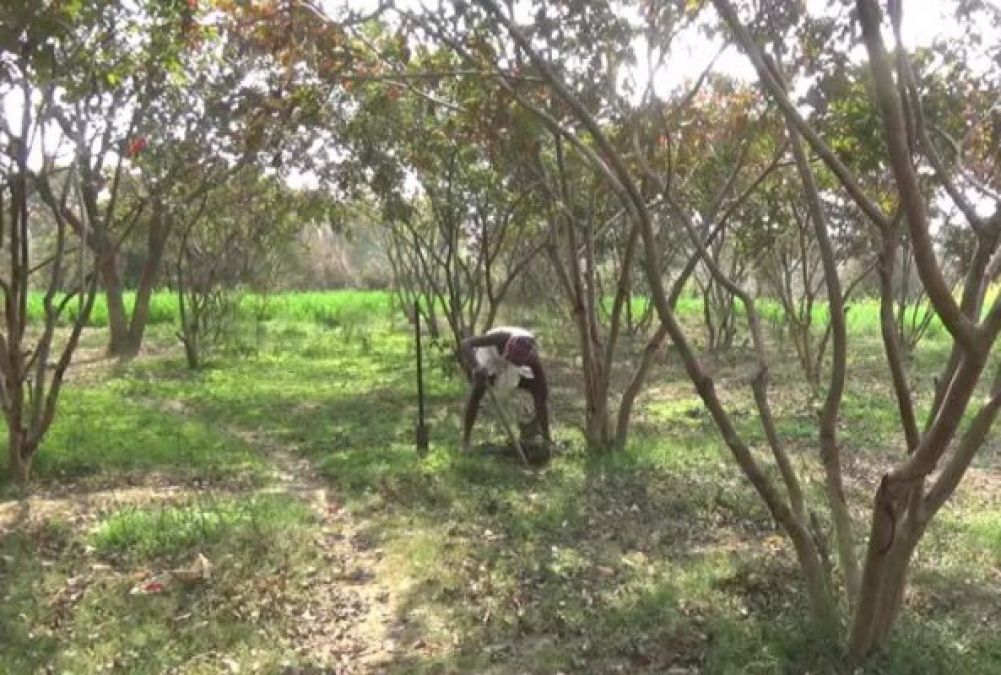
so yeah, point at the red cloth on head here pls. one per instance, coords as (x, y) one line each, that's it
(519, 349)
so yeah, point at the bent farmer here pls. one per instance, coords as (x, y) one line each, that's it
(505, 358)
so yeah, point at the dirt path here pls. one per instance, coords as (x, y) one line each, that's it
(348, 623)
(342, 624)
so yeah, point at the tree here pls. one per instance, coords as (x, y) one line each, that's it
(580, 218)
(572, 219)
(462, 217)
(231, 241)
(104, 86)
(30, 380)
(910, 494)
(175, 93)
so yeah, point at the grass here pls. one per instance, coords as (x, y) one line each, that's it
(93, 621)
(654, 559)
(331, 308)
(862, 314)
(170, 532)
(106, 431)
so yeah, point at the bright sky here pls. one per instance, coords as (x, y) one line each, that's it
(923, 22)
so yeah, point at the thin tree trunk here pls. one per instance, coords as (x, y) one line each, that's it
(596, 422)
(156, 245)
(830, 451)
(19, 451)
(649, 351)
(118, 326)
(635, 386)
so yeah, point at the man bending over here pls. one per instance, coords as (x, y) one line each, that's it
(505, 358)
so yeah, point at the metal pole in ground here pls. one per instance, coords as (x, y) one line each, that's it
(422, 433)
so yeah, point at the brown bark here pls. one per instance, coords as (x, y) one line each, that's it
(29, 384)
(891, 345)
(635, 386)
(20, 453)
(156, 244)
(912, 199)
(830, 451)
(119, 342)
(646, 359)
(899, 512)
(897, 525)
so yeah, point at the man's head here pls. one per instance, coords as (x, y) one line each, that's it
(519, 349)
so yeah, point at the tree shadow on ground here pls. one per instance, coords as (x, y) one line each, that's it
(594, 570)
(581, 565)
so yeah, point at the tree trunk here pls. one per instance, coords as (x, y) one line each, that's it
(118, 326)
(885, 575)
(818, 590)
(598, 423)
(159, 230)
(650, 350)
(635, 386)
(190, 343)
(21, 453)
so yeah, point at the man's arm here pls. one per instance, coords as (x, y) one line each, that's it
(478, 378)
(497, 340)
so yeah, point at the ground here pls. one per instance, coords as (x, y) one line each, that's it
(287, 465)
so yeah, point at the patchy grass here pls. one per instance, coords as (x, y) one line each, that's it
(655, 559)
(71, 601)
(172, 531)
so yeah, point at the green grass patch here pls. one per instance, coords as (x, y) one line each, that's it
(331, 308)
(105, 430)
(205, 524)
(66, 610)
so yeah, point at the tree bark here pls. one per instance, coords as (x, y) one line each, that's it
(649, 351)
(635, 386)
(20, 451)
(830, 451)
(119, 341)
(155, 247)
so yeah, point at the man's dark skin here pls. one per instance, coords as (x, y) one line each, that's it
(516, 354)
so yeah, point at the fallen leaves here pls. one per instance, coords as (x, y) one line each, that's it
(151, 586)
(198, 571)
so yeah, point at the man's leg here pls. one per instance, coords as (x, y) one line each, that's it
(479, 387)
(540, 396)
